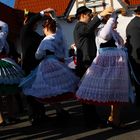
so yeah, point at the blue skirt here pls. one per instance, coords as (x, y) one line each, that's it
(50, 79)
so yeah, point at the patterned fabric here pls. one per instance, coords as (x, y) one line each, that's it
(51, 78)
(106, 80)
(10, 76)
(10, 72)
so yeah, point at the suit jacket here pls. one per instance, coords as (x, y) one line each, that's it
(133, 44)
(30, 41)
(84, 38)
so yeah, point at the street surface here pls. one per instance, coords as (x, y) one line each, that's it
(74, 128)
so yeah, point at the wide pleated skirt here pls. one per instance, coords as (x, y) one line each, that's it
(10, 76)
(107, 80)
(50, 79)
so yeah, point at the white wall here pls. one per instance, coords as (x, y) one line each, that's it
(122, 24)
(67, 29)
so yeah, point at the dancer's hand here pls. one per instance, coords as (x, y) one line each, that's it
(107, 11)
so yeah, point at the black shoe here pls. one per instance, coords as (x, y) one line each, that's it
(63, 115)
(39, 121)
(11, 120)
(3, 124)
(95, 124)
(35, 122)
(116, 126)
(91, 125)
(102, 124)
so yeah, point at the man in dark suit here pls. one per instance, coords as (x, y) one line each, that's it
(133, 45)
(84, 38)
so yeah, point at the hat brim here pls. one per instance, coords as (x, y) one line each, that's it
(83, 11)
(136, 10)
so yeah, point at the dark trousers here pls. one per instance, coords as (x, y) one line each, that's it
(91, 116)
(37, 108)
(136, 70)
(137, 90)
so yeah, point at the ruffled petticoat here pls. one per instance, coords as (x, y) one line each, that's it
(50, 79)
(106, 81)
(10, 76)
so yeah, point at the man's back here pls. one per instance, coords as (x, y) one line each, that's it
(133, 36)
(30, 41)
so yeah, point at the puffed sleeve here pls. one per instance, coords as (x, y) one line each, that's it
(105, 32)
(46, 44)
(41, 52)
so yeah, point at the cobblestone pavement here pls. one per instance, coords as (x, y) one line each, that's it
(74, 128)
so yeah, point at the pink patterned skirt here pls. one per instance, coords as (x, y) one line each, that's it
(106, 81)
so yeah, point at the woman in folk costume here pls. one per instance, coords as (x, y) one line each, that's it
(52, 78)
(10, 72)
(106, 81)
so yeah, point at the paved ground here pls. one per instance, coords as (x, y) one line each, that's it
(74, 129)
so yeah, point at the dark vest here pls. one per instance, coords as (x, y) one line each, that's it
(110, 43)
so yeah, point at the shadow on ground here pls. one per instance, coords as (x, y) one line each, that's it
(71, 129)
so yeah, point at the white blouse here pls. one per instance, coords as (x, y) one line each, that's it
(107, 32)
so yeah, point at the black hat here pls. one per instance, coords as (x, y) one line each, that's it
(82, 9)
(137, 9)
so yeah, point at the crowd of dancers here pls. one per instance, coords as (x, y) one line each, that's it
(104, 71)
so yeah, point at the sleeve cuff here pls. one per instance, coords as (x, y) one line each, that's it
(100, 17)
(42, 13)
